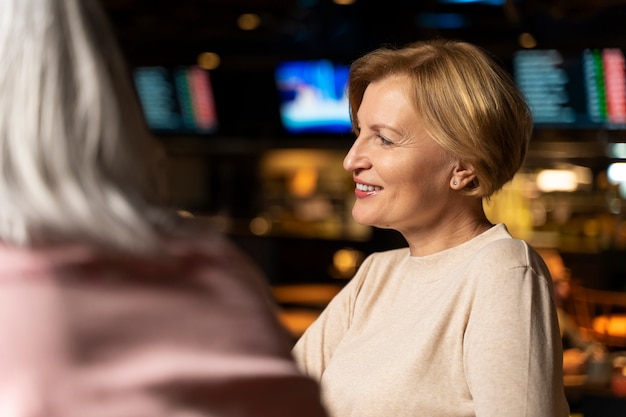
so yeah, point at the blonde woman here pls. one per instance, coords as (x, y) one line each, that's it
(462, 322)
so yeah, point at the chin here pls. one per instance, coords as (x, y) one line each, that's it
(364, 220)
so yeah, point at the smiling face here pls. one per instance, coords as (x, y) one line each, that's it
(404, 179)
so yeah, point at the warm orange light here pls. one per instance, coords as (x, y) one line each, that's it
(209, 60)
(249, 21)
(260, 226)
(526, 40)
(591, 228)
(304, 182)
(614, 325)
(346, 261)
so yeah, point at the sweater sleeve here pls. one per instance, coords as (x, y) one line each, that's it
(512, 345)
(316, 346)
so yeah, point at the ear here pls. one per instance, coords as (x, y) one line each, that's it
(462, 175)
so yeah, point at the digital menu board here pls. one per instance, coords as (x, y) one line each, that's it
(176, 100)
(586, 89)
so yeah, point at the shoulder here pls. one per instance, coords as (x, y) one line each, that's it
(507, 249)
(507, 252)
(507, 259)
(198, 245)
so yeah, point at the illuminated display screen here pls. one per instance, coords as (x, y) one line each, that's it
(313, 96)
(586, 90)
(178, 100)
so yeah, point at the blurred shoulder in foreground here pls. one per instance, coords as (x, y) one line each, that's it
(87, 332)
(109, 305)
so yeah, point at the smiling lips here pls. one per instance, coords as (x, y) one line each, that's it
(365, 190)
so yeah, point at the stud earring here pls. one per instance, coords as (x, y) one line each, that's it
(455, 183)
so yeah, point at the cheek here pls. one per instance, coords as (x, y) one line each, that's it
(403, 170)
(424, 175)
(427, 171)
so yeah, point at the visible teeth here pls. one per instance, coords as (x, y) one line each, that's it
(367, 188)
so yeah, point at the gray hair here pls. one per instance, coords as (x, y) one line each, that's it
(75, 152)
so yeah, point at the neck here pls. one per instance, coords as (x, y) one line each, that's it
(447, 233)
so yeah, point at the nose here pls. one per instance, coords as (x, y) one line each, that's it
(356, 157)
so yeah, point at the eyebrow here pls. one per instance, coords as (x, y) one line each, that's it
(379, 126)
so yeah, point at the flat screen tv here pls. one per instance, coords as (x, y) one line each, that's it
(581, 89)
(312, 96)
(176, 100)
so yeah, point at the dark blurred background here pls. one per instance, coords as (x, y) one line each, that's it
(176, 31)
(283, 195)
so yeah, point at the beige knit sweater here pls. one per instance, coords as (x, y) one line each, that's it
(469, 331)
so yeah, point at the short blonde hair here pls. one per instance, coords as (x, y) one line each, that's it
(76, 156)
(469, 104)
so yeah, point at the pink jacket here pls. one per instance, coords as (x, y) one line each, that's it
(193, 333)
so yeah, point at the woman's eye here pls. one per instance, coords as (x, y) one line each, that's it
(384, 141)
